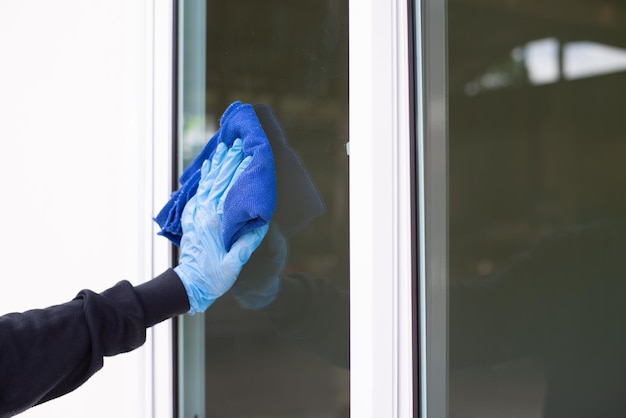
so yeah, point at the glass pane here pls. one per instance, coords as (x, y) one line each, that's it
(536, 205)
(291, 57)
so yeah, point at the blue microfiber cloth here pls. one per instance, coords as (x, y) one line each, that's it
(274, 184)
(251, 200)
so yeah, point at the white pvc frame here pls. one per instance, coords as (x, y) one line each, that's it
(160, 366)
(191, 64)
(380, 211)
(431, 94)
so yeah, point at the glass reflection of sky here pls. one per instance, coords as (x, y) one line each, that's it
(587, 59)
(541, 59)
(580, 60)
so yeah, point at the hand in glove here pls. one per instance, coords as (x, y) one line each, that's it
(206, 269)
(258, 283)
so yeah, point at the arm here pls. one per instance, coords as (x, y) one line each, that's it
(49, 352)
(46, 353)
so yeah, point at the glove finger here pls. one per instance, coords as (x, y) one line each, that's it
(189, 210)
(219, 154)
(229, 165)
(204, 183)
(210, 171)
(242, 167)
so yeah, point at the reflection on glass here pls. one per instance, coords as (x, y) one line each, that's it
(289, 60)
(588, 59)
(537, 210)
(542, 60)
(546, 61)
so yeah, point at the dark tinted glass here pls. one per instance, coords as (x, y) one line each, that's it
(537, 200)
(292, 57)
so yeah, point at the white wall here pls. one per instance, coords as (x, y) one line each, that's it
(75, 147)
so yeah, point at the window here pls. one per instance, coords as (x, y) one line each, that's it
(292, 57)
(535, 209)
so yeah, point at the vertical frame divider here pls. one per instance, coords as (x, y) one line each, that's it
(432, 117)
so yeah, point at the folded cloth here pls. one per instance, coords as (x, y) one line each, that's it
(251, 201)
(278, 182)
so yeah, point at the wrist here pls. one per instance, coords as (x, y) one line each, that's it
(199, 298)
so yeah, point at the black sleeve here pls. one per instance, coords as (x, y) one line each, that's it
(46, 353)
(315, 314)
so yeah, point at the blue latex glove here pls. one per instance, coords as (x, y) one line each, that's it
(259, 282)
(205, 267)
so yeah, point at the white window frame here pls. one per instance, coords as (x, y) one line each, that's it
(432, 116)
(381, 255)
(160, 366)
